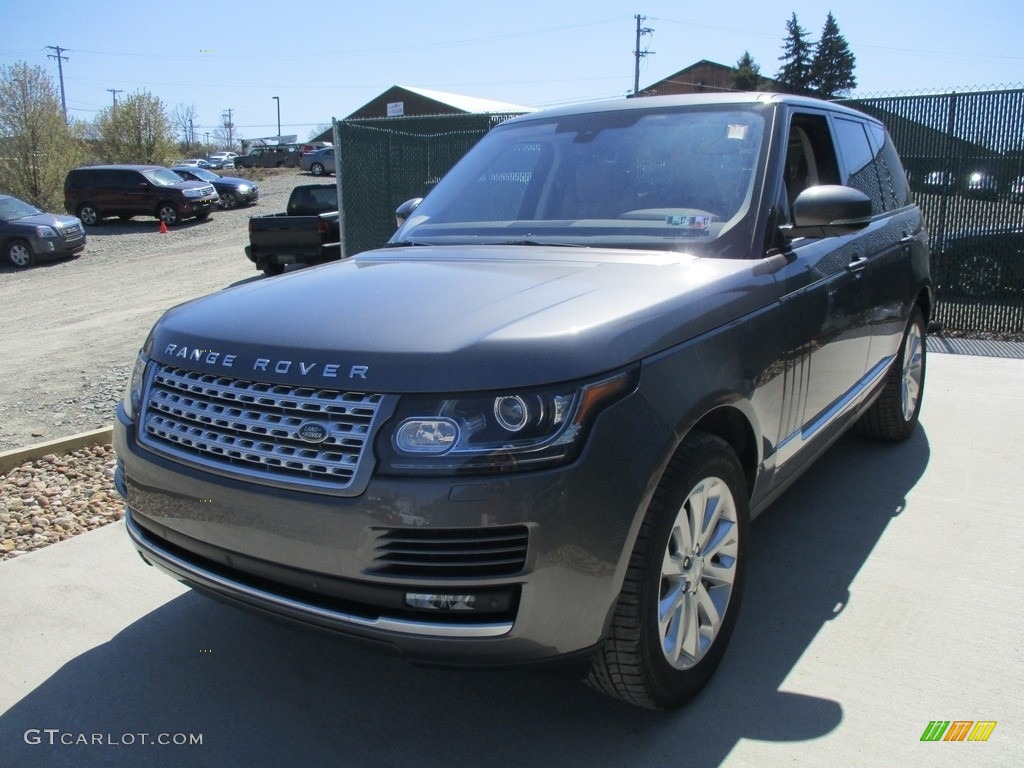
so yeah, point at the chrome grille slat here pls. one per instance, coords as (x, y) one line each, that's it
(237, 426)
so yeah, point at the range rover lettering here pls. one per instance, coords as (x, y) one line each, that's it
(611, 335)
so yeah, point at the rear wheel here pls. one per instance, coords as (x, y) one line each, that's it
(684, 583)
(982, 276)
(272, 269)
(893, 416)
(317, 169)
(19, 254)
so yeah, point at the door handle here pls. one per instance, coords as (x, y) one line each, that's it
(857, 264)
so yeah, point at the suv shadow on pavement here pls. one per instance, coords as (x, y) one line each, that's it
(263, 693)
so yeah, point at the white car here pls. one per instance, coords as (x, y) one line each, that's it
(222, 159)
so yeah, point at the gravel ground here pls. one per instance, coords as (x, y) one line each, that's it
(71, 332)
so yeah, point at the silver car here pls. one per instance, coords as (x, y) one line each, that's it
(319, 161)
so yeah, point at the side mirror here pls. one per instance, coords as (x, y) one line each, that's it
(828, 210)
(404, 211)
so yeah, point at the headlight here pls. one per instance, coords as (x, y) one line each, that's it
(45, 232)
(243, 188)
(494, 432)
(133, 394)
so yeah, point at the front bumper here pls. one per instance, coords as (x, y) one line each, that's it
(61, 245)
(318, 560)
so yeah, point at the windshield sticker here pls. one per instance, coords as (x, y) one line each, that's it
(693, 222)
(737, 132)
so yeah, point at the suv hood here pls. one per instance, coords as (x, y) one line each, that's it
(450, 318)
(55, 220)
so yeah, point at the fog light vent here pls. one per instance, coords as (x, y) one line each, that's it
(440, 602)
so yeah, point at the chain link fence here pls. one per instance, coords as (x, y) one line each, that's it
(963, 151)
(964, 155)
(386, 161)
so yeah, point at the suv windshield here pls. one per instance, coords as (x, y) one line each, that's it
(674, 179)
(162, 177)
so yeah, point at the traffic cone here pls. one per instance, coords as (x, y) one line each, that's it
(163, 228)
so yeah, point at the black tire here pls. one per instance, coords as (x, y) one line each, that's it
(272, 269)
(982, 276)
(894, 415)
(89, 215)
(228, 200)
(632, 663)
(281, 164)
(317, 169)
(204, 215)
(19, 254)
(167, 214)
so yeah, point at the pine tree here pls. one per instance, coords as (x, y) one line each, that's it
(747, 76)
(833, 64)
(797, 53)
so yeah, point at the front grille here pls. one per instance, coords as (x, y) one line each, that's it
(445, 552)
(72, 232)
(250, 428)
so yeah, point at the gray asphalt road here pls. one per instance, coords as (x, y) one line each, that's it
(885, 593)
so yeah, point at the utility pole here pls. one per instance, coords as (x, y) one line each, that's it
(60, 69)
(278, 100)
(114, 92)
(230, 127)
(638, 54)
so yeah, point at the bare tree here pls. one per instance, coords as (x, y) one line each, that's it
(183, 122)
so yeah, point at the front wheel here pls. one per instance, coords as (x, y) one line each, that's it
(168, 214)
(893, 416)
(684, 583)
(88, 215)
(228, 200)
(19, 254)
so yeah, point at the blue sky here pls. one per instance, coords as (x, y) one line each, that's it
(326, 61)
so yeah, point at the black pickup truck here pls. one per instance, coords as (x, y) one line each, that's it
(307, 232)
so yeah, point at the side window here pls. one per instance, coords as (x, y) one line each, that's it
(894, 179)
(105, 179)
(810, 155)
(860, 161)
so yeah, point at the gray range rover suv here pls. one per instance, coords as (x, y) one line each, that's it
(536, 425)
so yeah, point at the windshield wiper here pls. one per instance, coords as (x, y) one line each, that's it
(405, 243)
(542, 243)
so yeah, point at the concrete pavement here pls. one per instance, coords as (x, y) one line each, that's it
(885, 593)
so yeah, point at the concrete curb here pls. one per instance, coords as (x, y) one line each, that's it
(18, 456)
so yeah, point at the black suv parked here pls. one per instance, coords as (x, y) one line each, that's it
(95, 192)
